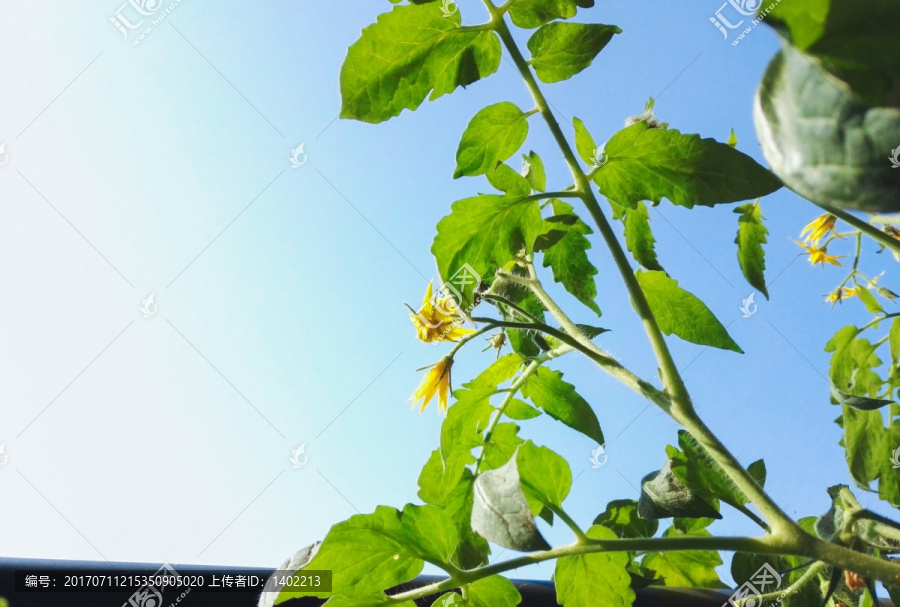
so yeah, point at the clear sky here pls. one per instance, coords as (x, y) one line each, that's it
(163, 168)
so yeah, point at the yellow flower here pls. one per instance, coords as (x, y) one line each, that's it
(819, 227)
(817, 255)
(436, 381)
(840, 294)
(438, 319)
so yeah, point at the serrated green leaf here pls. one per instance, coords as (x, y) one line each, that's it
(652, 164)
(485, 232)
(864, 444)
(407, 53)
(594, 579)
(493, 591)
(751, 237)
(440, 475)
(533, 171)
(473, 550)
(869, 300)
(561, 50)
(493, 135)
(505, 179)
(568, 257)
(545, 475)
(639, 238)
(529, 14)
(559, 400)
(502, 445)
(840, 345)
(520, 410)
(501, 513)
(369, 553)
(682, 313)
(622, 517)
(664, 495)
(688, 568)
(584, 142)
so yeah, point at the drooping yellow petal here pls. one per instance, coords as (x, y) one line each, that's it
(819, 227)
(820, 256)
(436, 381)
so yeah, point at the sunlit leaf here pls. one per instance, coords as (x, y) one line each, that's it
(493, 135)
(408, 53)
(561, 50)
(751, 237)
(559, 400)
(682, 313)
(638, 237)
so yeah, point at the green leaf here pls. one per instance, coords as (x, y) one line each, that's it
(473, 549)
(869, 300)
(440, 475)
(505, 179)
(520, 410)
(889, 479)
(591, 331)
(584, 142)
(638, 237)
(699, 471)
(858, 402)
(822, 140)
(530, 14)
(894, 340)
(407, 53)
(559, 400)
(493, 135)
(545, 476)
(732, 139)
(484, 232)
(864, 444)
(369, 553)
(688, 568)
(561, 50)
(649, 164)
(493, 591)
(568, 256)
(501, 513)
(533, 171)
(502, 445)
(860, 47)
(664, 495)
(841, 345)
(622, 517)
(751, 236)
(593, 579)
(449, 599)
(682, 313)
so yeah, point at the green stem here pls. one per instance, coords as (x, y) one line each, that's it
(804, 579)
(868, 229)
(581, 538)
(513, 390)
(682, 408)
(752, 516)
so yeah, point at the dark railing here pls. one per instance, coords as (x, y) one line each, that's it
(534, 593)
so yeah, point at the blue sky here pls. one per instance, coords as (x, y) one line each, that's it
(163, 168)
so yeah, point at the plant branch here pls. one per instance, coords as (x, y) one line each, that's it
(682, 409)
(804, 579)
(863, 226)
